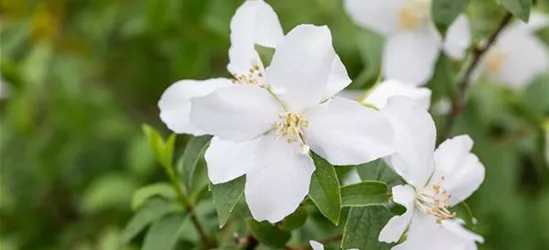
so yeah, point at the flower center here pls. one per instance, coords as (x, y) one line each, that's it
(414, 14)
(290, 126)
(434, 200)
(253, 77)
(494, 60)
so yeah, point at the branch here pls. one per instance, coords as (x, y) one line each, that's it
(459, 102)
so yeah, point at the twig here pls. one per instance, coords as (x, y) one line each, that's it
(459, 102)
(186, 204)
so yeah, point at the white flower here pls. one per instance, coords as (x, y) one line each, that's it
(387, 89)
(517, 55)
(413, 43)
(263, 132)
(426, 235)
(378, 95)
(254, 22)
(437, 179)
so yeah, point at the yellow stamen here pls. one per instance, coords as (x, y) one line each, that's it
(494, 60)
(434, 200)
(253, 77)
(290, 126)
(414, 14)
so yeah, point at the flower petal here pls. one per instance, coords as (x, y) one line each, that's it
(456, 226)
(346, 133)
(315, 245)
(393, 230)
(425, 233)
(458, 38)
(381, 16)
(276, 188)
(462, 171)
(254, 22)
(538, 20)
(338, 79)
(301, 66)
(411, 56)
(415, 135)
(387, 89)
(175, 103)
(524, 57)
(237, 113)
(229, 160)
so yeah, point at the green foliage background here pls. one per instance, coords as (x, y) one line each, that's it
(85, 74)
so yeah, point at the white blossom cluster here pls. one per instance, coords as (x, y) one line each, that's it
(266, 119)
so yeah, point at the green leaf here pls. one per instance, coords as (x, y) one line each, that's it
(268, 234)
(156, 143)
(162, 189)
(163, 150)
(109, 191)
(294, 220)
(365, 193)
(363, 227)
(151, 211)
(324, 190)
(379, 171)
(444, 12)
(464, 212)
(164, 233)
(225, 197)
(519, 8)
(193, 152)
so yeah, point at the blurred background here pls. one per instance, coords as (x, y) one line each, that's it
(79, 77)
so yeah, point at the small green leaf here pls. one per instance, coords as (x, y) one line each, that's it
(164, 233)
(446, 11)
(151, 211)
(268, 234)
(193, 152)
(363, 226)
(163, 151)
(324, 190)
(164, 190)
(366, 193)
(156, 143)
(294, 220)
(464, 212)
(519, 8)
(225, 197)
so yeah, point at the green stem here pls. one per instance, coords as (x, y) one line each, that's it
(186, 204)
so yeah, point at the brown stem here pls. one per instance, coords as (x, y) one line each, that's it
(459, 102)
